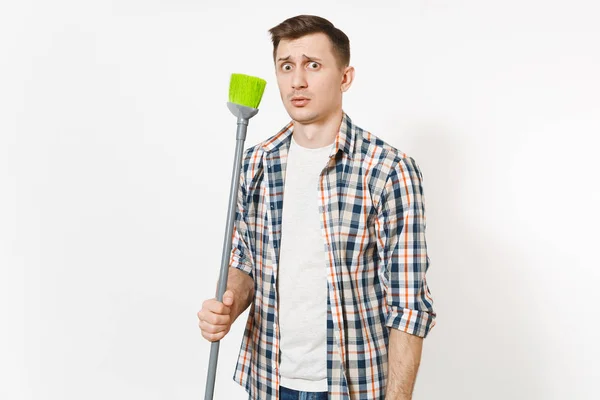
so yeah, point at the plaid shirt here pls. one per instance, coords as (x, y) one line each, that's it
(373, 227)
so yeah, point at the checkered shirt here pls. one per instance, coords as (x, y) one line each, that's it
(373, 228)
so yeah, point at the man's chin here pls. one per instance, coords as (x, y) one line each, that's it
(303, 116)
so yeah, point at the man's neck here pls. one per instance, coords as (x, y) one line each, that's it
(318, 134)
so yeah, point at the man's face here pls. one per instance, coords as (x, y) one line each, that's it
(309, 78)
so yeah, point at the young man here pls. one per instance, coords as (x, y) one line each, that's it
(329, 244)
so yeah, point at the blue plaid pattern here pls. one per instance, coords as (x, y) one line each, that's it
(373, 227)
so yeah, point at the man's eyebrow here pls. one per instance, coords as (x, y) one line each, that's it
(311, 58)
(303, 55)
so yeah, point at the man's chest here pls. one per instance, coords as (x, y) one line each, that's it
(341, 198)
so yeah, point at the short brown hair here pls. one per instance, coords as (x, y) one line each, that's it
(302, 25)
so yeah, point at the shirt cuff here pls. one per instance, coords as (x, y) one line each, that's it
(242, 265)
(417, 323)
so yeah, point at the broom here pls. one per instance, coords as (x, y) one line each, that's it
(245, 93)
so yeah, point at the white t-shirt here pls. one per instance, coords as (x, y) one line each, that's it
(302, 275)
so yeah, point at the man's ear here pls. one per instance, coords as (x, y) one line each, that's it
(347, 78)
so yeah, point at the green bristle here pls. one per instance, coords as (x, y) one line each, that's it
(246, 90)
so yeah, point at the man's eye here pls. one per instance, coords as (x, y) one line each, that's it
(286, 67)
(313, 65)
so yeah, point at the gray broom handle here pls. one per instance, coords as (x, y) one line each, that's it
(242, 125)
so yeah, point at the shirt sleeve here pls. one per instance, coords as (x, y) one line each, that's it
(241, 256)
(402, 250)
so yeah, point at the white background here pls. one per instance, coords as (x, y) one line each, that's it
(115, 161)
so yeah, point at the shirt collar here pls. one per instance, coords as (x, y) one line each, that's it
(344, 140)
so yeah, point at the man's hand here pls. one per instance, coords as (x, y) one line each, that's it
(216, 317)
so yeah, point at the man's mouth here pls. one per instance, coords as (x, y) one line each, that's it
(300, 101)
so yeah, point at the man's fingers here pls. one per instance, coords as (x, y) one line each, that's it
(213, 337)
(214, 319)
(216, 307)
(210, 328)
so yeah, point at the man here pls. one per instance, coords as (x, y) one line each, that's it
(329, 243)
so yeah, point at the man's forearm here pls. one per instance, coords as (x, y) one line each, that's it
(404, 357)
(242, 286)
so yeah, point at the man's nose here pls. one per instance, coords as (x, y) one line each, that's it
(299, 79)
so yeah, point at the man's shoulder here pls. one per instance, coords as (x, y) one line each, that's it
(253, 154)
(370, 147)
(252, 161)
(384, 159)
(252, 158)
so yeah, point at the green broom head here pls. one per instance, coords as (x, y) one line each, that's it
(246, 90)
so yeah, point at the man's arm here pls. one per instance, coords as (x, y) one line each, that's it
(404, 357)
(242, 286)
(217, 317)
(240, 279)
(402, 249)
